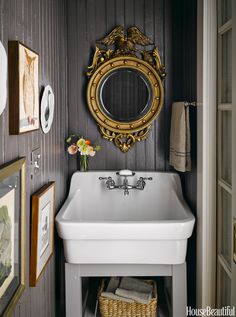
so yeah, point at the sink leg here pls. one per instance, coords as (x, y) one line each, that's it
(73, 290)
(179, 290)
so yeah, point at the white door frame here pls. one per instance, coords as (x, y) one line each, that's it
(206, 200)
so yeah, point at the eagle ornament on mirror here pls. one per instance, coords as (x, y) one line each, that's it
(119, 51)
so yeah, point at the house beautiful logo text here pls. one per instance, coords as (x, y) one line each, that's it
(208, 311)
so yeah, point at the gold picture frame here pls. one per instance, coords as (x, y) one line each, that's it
(125, 57)
(12, 196)
(42, 230)
(23, 65)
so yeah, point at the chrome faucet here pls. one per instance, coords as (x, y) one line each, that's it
(110, 183)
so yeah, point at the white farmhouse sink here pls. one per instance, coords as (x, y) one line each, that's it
(149, 226)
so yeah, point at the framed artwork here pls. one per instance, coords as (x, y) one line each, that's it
(42, 230)
(3, 78)
(23, 65)
(12, 235)
(47, 109)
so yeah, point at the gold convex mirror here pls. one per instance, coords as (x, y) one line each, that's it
(125, 92)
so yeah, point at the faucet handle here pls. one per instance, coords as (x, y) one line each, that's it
(125, 173)
(141, 182)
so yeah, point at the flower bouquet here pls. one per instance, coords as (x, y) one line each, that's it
(77, 144)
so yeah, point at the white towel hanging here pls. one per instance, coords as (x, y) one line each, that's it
(180, 147)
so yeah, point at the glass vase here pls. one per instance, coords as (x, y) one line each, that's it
(84, 163)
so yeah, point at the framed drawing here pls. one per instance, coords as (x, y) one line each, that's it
(12, 235)
(3, 78)
(47, 109)
(42, 230)
(23, 65)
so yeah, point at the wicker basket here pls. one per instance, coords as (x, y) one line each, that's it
(115, 308)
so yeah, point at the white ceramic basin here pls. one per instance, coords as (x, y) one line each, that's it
(151, 226)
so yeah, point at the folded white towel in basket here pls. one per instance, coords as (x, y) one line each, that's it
(142, 298)
(134, 284)
(129, 289)
(113, 284)
(116, 297)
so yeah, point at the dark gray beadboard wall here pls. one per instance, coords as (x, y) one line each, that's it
(184, 23)
(90, 20)
(42, 26)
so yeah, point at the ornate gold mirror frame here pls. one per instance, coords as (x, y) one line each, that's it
(125, 55)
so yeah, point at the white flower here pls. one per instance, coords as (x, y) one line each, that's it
(81, 143)
(84, 149)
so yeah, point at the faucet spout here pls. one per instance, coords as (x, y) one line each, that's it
(126, 186)
(126, 192)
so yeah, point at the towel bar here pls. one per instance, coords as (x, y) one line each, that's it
(193, 104)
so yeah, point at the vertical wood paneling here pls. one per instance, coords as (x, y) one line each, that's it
(121, 160)
(110, 18)
(41, 25)
(149, 24)
(89, 21)
(140, 150)
(185, 88)
(129, 20)
(168, 51)
(96, 24)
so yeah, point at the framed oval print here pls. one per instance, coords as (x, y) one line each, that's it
(3, 78)
(47, 109)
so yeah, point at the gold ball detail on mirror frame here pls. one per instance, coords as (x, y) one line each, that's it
(100, 73)
(153, 110)
(96, 110)
(156, 84)
(112, 65)
(131, 126)
(149, 73)
(118, 126)
(157, 98)
(138, 64)
(94, 84)
(125, 62)
(92, 98)
(143, 121)
(102, 59)
(106, 121)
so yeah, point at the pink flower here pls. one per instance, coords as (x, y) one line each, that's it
(91, 151)
(72, 149)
